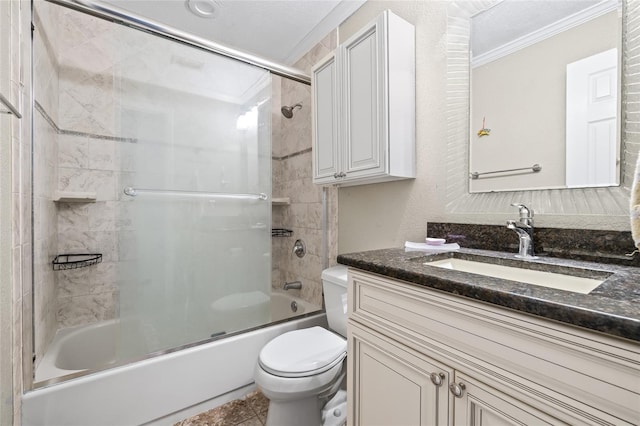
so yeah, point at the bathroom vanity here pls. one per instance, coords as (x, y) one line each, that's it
(434, 346)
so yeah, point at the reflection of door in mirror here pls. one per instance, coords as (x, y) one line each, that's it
(592, 111)
(521, 51)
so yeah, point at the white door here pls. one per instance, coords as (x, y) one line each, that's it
(592, 123)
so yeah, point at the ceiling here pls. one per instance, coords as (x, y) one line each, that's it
(278, 30)
(511, 20)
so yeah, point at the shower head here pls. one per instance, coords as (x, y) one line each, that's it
(287, 111)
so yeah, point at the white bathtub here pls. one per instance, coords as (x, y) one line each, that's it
(281, 306)
(162, 389)
(93, 347)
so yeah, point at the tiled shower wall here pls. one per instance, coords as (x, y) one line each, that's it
(74, 119)
(84, 151)
(87, 163)
(292, 178)
(73, 122)
(76, 124)
(45, 173)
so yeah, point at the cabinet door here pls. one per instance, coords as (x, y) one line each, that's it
(390, 384)
(326, 164)
(363, 129)
(481, 405)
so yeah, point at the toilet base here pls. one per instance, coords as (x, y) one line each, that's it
(306, 411)
(334, 412)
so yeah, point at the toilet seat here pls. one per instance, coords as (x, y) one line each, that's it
(303, 353)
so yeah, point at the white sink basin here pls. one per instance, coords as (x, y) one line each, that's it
(545, 279)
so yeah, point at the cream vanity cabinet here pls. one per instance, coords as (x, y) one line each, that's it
(423, 357)
(364, 106)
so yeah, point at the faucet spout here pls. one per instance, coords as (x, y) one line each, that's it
(293, 285)
(525, 233)
(524, 228)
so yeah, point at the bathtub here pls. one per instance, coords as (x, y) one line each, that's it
(158, 390)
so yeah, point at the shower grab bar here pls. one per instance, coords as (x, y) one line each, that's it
(134, 192)
(10, 107)
(112, 13)
(534, 169)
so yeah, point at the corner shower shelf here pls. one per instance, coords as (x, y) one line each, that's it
(281, 232)
(75, 261)
(281, 201)
(74, 197)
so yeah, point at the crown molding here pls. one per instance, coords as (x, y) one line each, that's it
(546, 32)
(342, 11)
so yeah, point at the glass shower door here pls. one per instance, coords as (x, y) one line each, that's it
(194, 246)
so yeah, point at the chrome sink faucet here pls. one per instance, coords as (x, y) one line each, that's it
(524, 228)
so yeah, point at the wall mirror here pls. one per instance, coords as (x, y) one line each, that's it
(604, 201)
(545, 95)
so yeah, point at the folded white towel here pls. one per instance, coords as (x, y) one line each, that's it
(409, 246)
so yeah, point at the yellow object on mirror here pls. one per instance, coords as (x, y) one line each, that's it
(484, 131)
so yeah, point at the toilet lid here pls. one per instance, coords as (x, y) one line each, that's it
(302, 353)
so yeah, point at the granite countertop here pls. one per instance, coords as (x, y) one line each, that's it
(612, 308)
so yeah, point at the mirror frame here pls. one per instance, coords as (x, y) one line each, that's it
(602, 201)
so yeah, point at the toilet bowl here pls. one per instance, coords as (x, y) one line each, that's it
(302, 370)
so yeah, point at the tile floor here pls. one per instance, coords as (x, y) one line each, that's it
(250, 410)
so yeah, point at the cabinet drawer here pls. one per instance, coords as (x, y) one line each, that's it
(585, 375)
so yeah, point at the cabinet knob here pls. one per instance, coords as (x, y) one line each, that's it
(336, 175)
(457, 389)
(437, 378)
(343, 175)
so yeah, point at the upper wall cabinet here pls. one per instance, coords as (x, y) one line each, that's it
(364, 106)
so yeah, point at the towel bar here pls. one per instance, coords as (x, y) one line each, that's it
(133, 192)
(534, 169)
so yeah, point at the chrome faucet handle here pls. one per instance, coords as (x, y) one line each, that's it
(526, 214)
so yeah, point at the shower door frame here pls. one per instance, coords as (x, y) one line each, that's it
(119, 16)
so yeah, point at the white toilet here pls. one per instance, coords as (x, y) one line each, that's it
(299, 371)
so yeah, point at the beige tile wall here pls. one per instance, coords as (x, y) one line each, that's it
(45, 175)
(292, 177)
(85, 163)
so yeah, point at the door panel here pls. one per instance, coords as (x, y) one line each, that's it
(392, 383)
(592, 121)
(325, 128)
(362, 101)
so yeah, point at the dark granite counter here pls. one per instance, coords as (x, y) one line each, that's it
(612, 308)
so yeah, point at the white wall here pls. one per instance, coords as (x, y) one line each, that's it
(386, 215)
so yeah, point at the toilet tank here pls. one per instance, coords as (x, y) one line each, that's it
(334, 285)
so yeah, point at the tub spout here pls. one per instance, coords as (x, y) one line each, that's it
(293, 285)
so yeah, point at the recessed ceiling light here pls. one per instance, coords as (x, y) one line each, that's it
(202, 8)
